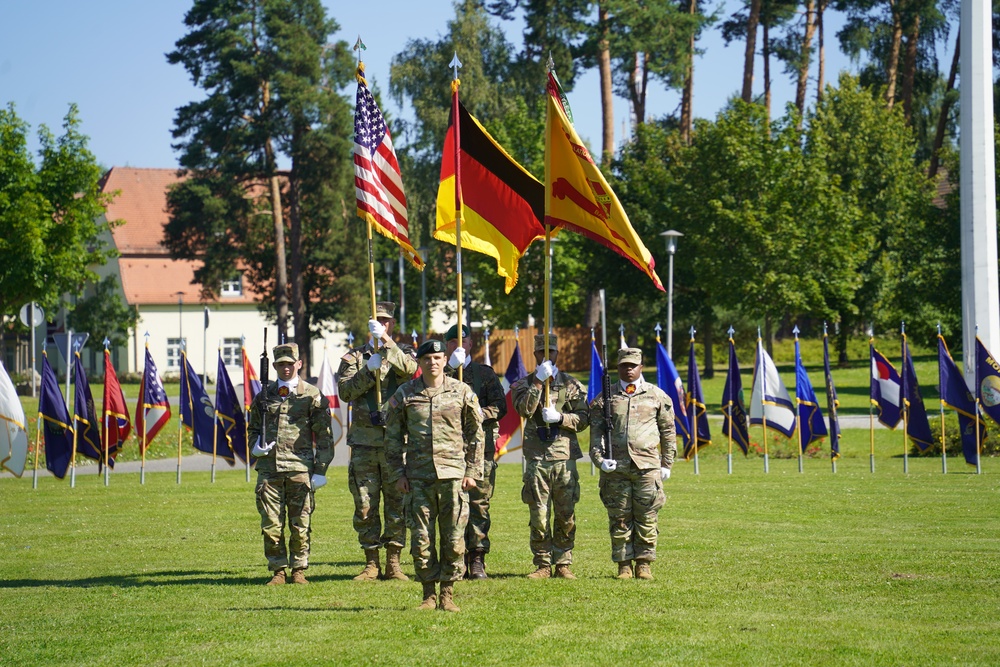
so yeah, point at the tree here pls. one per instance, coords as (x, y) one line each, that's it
(272, 83)
(50, 229)
(103, 315)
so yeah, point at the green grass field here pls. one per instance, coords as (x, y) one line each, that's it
(783, 568)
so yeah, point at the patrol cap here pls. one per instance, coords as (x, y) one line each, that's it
(286, 352)
(453, 333)
(540, 342)
(385, 309)
(630, 355)
(430, 346)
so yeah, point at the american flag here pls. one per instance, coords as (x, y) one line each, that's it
(377, 181)
(152, 412)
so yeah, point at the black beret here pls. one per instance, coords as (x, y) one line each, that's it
(430, 346)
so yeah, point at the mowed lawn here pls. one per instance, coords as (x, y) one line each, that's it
(782, 568)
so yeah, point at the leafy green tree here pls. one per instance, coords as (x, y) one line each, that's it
(103, 314)
(50, 234)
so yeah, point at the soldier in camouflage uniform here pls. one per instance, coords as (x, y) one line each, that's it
(643, 446)
(434, 421)
(292, 458)
(551, 449)
(487, 387)
(367, 472)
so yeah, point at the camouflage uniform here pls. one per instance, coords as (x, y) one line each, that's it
(550, 472)
(642, 441)
(440, 433)
(297, 424)
(485, 384)
(367, 472)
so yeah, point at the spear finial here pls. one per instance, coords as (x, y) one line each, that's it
(796, 331)
(731, 331)
(455, 64)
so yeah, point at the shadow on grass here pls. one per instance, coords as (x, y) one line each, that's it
(165, 578)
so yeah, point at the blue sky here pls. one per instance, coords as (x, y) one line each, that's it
(108, 58)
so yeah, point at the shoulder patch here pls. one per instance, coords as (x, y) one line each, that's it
(393, 402)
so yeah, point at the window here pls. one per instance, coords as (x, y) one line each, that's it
(233, 287)
(231, 351)
(174, 347)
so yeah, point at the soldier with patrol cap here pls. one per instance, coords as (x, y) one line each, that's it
(487, 387)
(551, 449)
(435, 423)
(643, 446)
(292, 458)
(367, 471)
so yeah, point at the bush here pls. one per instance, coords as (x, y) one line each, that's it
(989, 446)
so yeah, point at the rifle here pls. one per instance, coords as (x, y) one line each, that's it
(606, 395)
(265, 363)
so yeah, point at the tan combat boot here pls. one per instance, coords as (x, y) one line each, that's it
(543, 572)
(478, 565)
(625, 570)
(298, 576)
(446, 603)
(430, 598)
(642, 570)
(277, 578)
(563, 572)
(372, 569)
(392, 569)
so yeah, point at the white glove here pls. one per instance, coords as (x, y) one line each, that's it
(550, 415)
(259, 450)
(457, 357)
(317, 481)
(609, 465)
(664, 473)
(555, 370)
(376, 329)
(374, 362)
(545, 370)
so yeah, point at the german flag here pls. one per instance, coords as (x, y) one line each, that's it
(502, 203)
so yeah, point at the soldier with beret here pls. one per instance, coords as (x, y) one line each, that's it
(292, 457)
(643, 446)
(434, 446)
(367, 471)
(551, 450)
(487, 387)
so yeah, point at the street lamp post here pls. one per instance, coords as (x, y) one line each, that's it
(387, 263)
(423, 291)
(670, 236)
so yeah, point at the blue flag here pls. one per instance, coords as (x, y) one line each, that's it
(987, 381)
(917, 427)
(55, 420)
(831, 401)
(697, 412)
(955, 394)
(811, 426)
(734, 423)
(88, 429)
(885, 388)
(198, 413)
(669, 380)
(596, 373)
(231, 425)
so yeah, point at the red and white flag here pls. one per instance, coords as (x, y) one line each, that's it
(116, 424)
(511, 426)
(338, 409)
(152, 412)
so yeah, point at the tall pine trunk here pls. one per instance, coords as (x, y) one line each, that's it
(299, 315)
(803, 80)
(767, 71)
(821, 47)
(687, 97)
(910, 68)
(748, 56)
(607, 99)
(892, 67)
(946, 105)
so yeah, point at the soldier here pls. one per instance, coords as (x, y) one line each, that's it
(288, 469)
(551, 449)
(643, 446)
(367, 472)
(489, 391)
(435, 421)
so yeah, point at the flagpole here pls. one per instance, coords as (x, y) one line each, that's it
(798, 401)
(455, 64)
(692, 409)
(944, 460)
(975, 365)
(871, 406)
(604, 343)
(76, 429)
(215, 422)
(38, 439)
(246, 413)
(107, 473)
(829, 396)
(180, 412)
(905, 402)
(729, 400)
(763, 391)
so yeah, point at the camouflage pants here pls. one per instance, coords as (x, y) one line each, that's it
(367, 476)
(477, 534)
(633, 498)
(437, 507)
(552, 536)
(280, 494)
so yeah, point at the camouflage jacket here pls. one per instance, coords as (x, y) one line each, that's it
(489, 391)
(642, 427)
(440, 432)
(569, 398)
(297, 425)
(357, 385)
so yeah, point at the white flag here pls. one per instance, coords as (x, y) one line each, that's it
(338, 409)
(13, 436)
(769, 398)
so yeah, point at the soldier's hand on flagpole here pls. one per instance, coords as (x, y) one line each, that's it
(609, 465)
(403, 484)
(376, 329)
(544, 370)
(664, 474)
(317, 481)
(374, 362)
(457, 357)
(468, 483)
(262, 450)
(550, 415)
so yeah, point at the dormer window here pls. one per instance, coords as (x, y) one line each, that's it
(233, 287)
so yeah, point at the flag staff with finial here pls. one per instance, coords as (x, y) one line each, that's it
(107, 445)
(763, 392)
(944, 446)
(798, 402)
(455, 64)
(871, 407)
(75, 418)
(692, 409)
(729, 400)
(904, 403)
